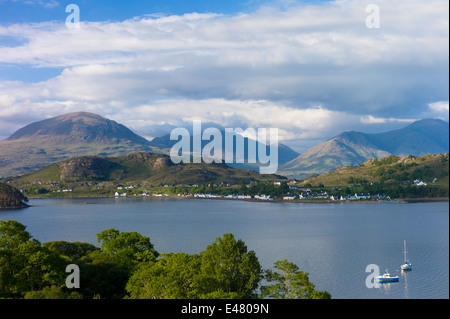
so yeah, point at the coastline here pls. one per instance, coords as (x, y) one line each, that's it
(297, 201)
(15, 207)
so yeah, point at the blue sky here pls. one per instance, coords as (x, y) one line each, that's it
(20, 11)
(310, 68)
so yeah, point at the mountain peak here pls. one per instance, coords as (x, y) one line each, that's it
(69, 135)
(77, 116)
(78, 127)
(352, 148)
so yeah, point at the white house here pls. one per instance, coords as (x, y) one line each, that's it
(362, 196)
(418, 182)
(264, 197)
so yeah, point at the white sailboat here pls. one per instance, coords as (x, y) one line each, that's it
(406, 264)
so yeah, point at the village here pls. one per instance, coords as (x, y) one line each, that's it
(295, 193)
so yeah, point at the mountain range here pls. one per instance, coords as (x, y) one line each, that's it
(428, 136)
(285, 153)
(43, 143)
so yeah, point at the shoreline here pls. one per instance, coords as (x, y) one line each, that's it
(319, 201)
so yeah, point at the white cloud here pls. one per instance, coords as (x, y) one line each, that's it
(309, 70)
(44, 3)
(441, 106)
(369, 119)
(440, 110)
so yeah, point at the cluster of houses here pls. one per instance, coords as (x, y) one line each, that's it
(264, 197)
(144, 194)
(299, 192)
(324, 195)
(60, 190)
(317, 195)
(206, 196)
(235, 196)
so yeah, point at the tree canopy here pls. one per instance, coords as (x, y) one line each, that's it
(290, 283)
(126, 265)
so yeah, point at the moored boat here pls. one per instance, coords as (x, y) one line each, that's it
(386, 277)
(406, 264)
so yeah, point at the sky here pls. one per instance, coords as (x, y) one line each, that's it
(312, 69)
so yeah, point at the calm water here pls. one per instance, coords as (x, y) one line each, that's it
(333, 242)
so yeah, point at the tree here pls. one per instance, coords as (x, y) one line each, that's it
(73, 251)
(171, 277)
(12, 233)
(101, 276)
(224, 270)
(290, 283)
(127, 248)
(24, 264)
(228, 267)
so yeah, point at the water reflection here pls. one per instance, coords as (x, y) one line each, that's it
(386, 286)
(405, 280)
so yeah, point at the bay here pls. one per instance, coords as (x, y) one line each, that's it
(334, 243)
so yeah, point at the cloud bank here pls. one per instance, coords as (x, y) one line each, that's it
(309, 70)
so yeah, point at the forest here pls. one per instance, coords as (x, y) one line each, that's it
(127, 266)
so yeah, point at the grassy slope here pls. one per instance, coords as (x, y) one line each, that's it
(151, 169)
(390, 169)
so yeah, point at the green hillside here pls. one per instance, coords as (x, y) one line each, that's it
(145, 169)
(408, 176)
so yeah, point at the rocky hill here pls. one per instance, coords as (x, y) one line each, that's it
(143, 167)
(11, 197)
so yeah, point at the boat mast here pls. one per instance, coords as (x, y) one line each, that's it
(404, 251)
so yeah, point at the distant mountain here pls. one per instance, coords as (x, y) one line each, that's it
(285, 153)
(429, 136)
(143, 167)
(75, 134)
(77, 128)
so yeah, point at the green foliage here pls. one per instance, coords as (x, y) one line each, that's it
(290, 283)
(355, 180)
(172, 277)
(12, 234)
(53, 292)
(226, 269)
(24, 264)
(228, 266)
(73, 251)
(128, 248)
(127, 266)
(101, 276)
